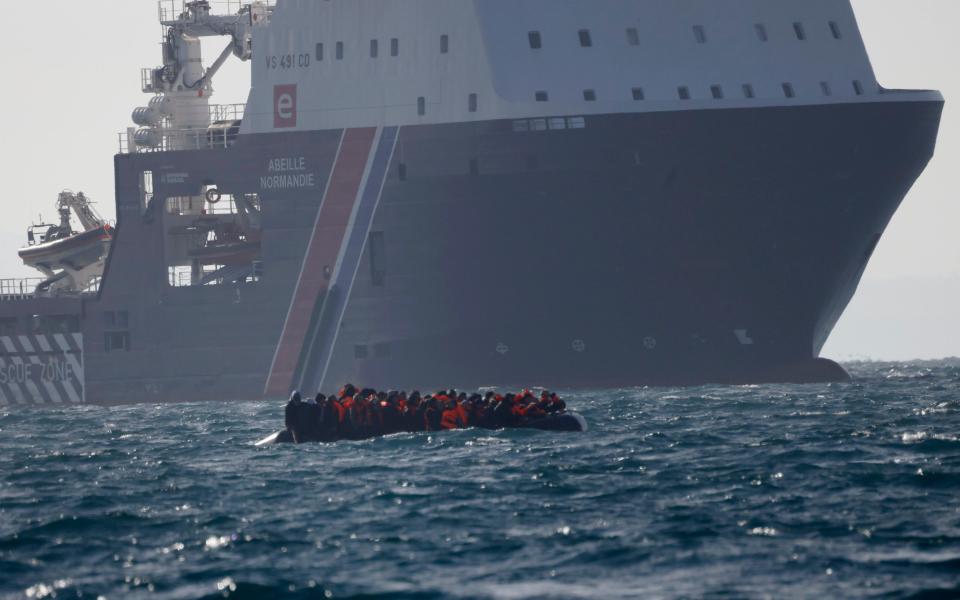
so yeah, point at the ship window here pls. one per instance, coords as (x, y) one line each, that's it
(585, 40)
(444, 44)
(536, 42)
(421, 106)
(748, 91)
(576, 123)
(8, 326)
(378, 272)
(319, 52)
(800, 31)
(638, 93)
(542, 96)
(858, 88)
(684, 92)
(123, 319)
(374, 48)
(633, 36)
(395, 47)
(761, 30)
(835, 30)
(382, 350)
(538, 124)
(472, 103)
(825, 87)
(590, 95)
(116, 341)
(339, 50)
(360, 352)
(788, 90)
(717, 92)
(51, 324)
(700, 34)
(402, 171)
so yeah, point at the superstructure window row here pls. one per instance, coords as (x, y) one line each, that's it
(320, 49)
(700, 35)
(683, 92)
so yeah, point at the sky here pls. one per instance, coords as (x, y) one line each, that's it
(72, 78)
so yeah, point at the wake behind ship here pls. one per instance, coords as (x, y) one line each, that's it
(475, 192)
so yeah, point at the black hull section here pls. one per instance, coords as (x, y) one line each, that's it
(564, 423)
(643, 249)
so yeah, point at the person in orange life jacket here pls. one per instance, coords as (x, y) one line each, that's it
(464, 409)
(452, 417)
(474, 408)
(516, 407)
(532, 410)
(358, 414)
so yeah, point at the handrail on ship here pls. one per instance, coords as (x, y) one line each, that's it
(170, 10)
(12, 290)
(190, 139)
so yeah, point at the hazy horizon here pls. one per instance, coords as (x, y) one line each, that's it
(74, 86)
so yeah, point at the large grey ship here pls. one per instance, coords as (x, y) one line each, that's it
(477, 192)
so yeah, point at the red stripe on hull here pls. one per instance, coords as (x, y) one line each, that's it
(328, 235)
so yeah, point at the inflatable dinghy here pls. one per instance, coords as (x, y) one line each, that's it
(565, 422)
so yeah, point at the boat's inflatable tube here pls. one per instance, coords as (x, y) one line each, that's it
(567, 422)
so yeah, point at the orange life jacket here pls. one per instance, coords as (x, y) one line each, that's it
(451, 419)
(345, 407)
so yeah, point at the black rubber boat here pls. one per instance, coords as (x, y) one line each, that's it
(566, 422)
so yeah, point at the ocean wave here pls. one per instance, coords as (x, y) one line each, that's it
(835, 491)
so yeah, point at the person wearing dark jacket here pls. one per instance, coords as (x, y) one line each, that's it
(432, 414)
(291, 416)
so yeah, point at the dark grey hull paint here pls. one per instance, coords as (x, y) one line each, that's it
(656, 248)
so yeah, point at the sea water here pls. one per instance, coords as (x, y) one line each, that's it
(817, 491)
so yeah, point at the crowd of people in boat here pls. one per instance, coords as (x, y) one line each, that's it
(361, 414)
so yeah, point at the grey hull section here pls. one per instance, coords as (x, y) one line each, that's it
(655, 248)
(720, 246)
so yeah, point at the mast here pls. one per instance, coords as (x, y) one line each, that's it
(178, 115)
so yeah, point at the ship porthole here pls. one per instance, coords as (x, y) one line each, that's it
(213, 195)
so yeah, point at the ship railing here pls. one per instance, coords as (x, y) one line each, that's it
(170, 10)
(227, 112)
(12, 290)
(19, 289)
(223, 133)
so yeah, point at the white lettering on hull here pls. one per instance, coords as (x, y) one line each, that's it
(290, 173)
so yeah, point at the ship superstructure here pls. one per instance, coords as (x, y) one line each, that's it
(476, 192)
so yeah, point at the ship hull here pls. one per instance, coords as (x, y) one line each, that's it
(664, 249)
(674, 248)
